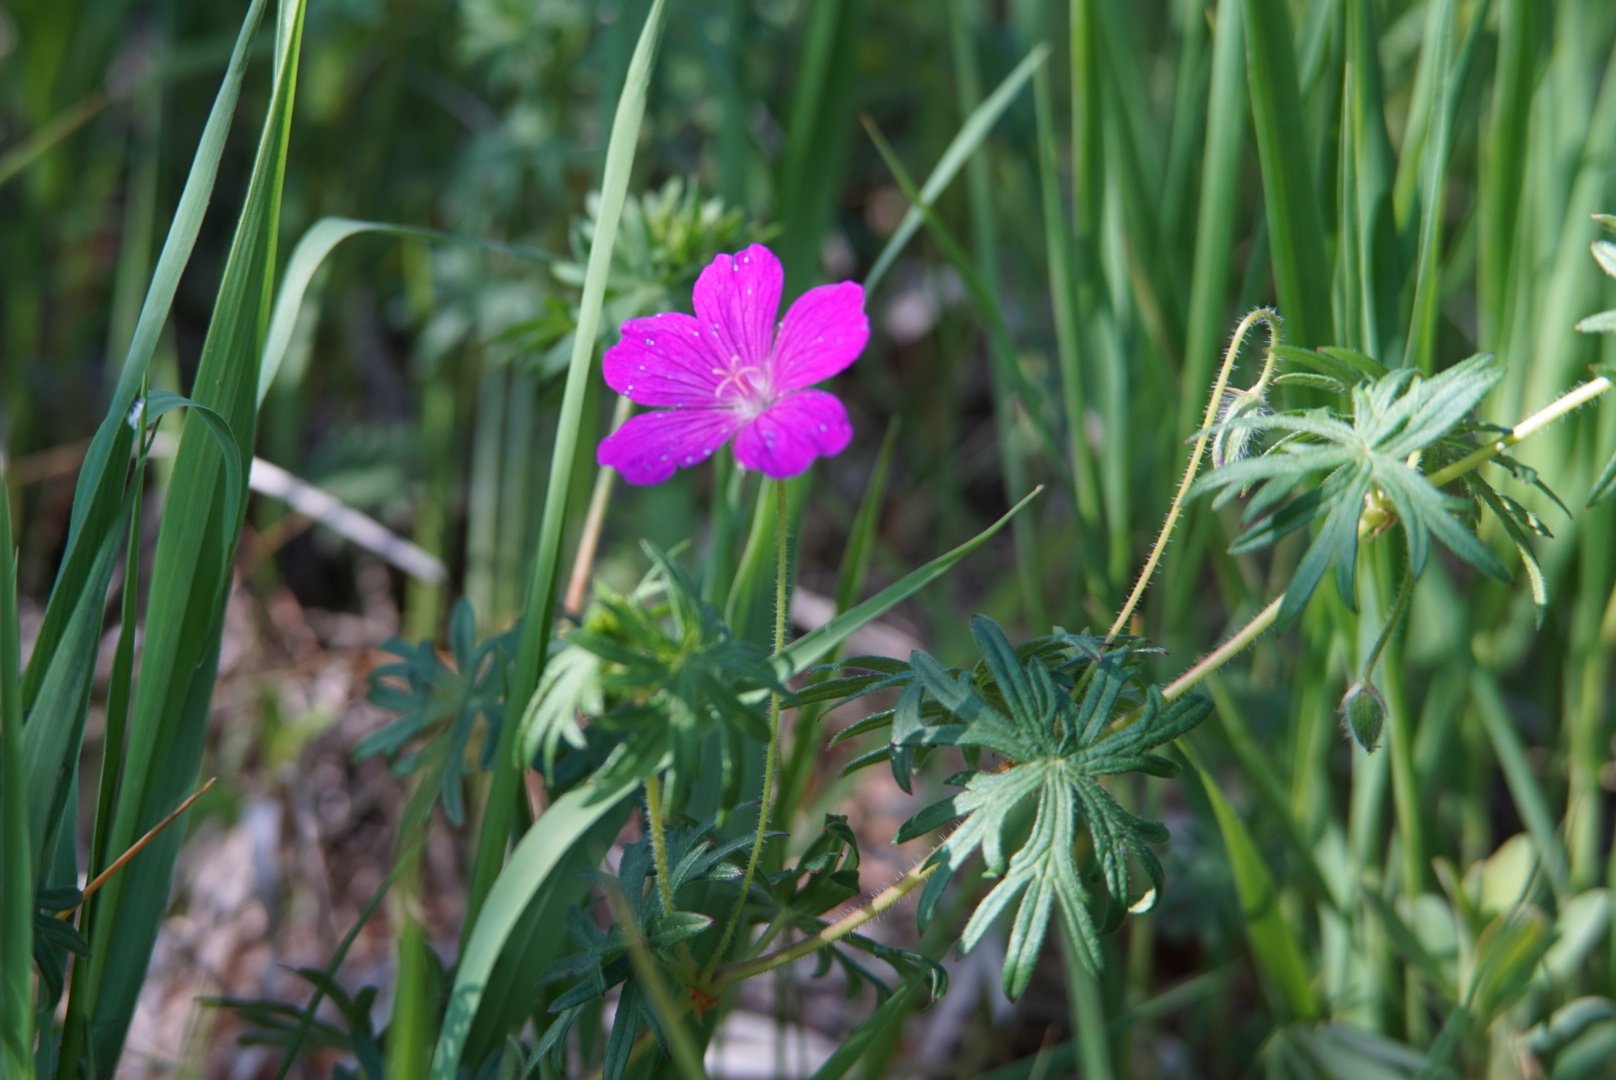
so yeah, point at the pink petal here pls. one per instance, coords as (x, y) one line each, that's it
(786, 438)
(737, 299)
(650, 447)
(662, 360)
(824, 331)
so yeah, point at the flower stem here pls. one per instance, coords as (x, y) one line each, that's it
(771, 759)
(1268, 317)
(877, 905)
(659, 839)
(1225, 652)
(594, 519)
(1539, 420)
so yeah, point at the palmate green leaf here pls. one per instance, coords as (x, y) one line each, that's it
(659, 675)
(442, 705)
(1045, 709)
(1327, 466)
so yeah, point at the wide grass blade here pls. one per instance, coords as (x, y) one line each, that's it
(190, 579)
(524, 877)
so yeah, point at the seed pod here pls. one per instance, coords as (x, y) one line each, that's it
(1363, 713)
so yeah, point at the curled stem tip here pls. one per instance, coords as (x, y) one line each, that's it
(1215, 401)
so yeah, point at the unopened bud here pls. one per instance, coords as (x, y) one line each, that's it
(1363, 712)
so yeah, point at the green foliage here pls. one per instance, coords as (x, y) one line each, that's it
(1604, 485)
(664, 239)
(601, 961)
(659, 674)
(283, 1026)
(1329, 466)
(1046, 826)
(1409, 178)
(441, 706)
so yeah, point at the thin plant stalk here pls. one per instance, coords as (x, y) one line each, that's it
(771, 760)
(1214, 403)
(600, 498)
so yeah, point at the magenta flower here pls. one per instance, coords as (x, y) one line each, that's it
(730, 372)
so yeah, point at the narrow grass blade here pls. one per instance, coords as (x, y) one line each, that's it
(16, 851)
(1524, 789)
(310, 254)
(1058, 242)
(539, 610)
(1449, 72)
(1503, 178)
(977, 124)
(1214, 230)
(819, 134)
(182, 234)
(817, 644)
(99, 490)
(861, 538)
(1301, 272)
(857, 1041)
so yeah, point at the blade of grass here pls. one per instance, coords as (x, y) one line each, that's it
(819, 134)
(16, 850)
(311, 252)
(1063, 300)
(1503, 176)
(539, 609)
(979, 121)
(527, 873)
(1274, 947)
(817, 644)
(798, 763)
(1449, 72)
(1524, 789)
(985, 245)
(1296, 234)
(191, 577)
(99, 490)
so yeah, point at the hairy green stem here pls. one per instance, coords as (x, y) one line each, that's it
(1405, 590)
(1225, 652)
(659, 839)
(1268, 317)
(877, 905)
(771, 759)
(1539, 420)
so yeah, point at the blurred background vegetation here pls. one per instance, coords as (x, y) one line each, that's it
(1411, 179)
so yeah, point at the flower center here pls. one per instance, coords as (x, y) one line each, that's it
(746, 387)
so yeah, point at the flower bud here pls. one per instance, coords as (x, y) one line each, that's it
(1363, 713)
